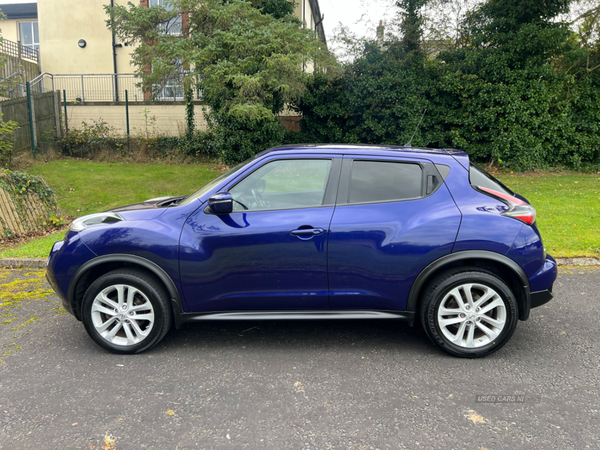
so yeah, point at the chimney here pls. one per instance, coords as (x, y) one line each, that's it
(380, 30)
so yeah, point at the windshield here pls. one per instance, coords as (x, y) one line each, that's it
(207, 187)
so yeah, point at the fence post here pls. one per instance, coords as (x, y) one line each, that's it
(112, 82)
(127, 114)
(56, 99)
(39, 60)
(82, 90)
(31, 118)
(65, 104)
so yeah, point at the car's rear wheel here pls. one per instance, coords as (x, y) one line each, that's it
(469, 312)
(126, 311)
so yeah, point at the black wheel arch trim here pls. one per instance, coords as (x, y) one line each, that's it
(152, 267)
(423, 277)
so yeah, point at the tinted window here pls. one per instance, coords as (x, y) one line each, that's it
(284, 184)
(480, 177)
(376, 181)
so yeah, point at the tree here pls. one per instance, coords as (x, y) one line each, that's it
(411, 24)
(519, 88)
(248, 59)
(381, 95)
(444, 22)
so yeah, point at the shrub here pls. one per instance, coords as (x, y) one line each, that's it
(90, 138)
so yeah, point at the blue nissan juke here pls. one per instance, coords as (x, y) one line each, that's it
(314, 232)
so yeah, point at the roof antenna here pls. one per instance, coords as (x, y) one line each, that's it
(409, 143)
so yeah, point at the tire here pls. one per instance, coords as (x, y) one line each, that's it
(126, 311)
(469, 328)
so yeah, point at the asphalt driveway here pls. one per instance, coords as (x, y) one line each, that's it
(298, 385)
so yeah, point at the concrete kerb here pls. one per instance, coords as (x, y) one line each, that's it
(23, 263)
(40, 263)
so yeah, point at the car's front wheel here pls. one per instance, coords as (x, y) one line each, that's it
(126, 311)
(469, 312)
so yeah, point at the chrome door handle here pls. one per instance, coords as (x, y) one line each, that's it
(308, 232)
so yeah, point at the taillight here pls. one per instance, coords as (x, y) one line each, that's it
(518, 209)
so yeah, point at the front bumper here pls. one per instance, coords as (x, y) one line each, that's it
(541, 297)
(59, 293)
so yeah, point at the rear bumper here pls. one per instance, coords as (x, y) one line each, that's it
(542, 281)
(545, 277)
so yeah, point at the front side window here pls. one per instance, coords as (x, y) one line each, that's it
(379, 181)
(29, 35)
(207, 187)
(283, 184)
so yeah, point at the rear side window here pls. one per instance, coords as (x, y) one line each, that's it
(481, 178)
(378, 181)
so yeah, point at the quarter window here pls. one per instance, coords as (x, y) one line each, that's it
(283, 184)
(378, 181)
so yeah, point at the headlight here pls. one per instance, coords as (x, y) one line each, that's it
(95, 219)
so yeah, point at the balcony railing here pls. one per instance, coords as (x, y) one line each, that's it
(102, 87)
(18, 50)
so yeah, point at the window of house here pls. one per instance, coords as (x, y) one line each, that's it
(173, 87)
(174, 26)
(173, 90)
(283, 184)
(29, 35)
(380, 181)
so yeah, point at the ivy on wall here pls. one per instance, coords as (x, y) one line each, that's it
(27, 204)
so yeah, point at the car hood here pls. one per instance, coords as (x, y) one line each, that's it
(146, 210)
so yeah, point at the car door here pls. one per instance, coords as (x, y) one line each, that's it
(270, 253)
(393, 217)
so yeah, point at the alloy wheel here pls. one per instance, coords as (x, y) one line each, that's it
(122, 315)
(471, 315)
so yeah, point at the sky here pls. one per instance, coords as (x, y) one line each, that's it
(346, 11)
(361, 16)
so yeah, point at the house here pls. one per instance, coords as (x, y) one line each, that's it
(80, 57)
(21, 24)
(19, 48)
(73, 37)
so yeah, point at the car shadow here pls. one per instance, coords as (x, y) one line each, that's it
(299, 335)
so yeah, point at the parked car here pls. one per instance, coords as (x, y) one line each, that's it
(314, 232)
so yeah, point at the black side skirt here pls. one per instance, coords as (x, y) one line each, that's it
(408, 316)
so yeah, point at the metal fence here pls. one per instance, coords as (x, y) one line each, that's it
(91, 88)
(102, 87)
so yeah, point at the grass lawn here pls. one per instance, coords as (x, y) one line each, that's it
(568, 209)
(84, 187)
(567, 204)
(35, 248)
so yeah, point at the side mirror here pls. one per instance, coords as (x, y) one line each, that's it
(221, 203)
